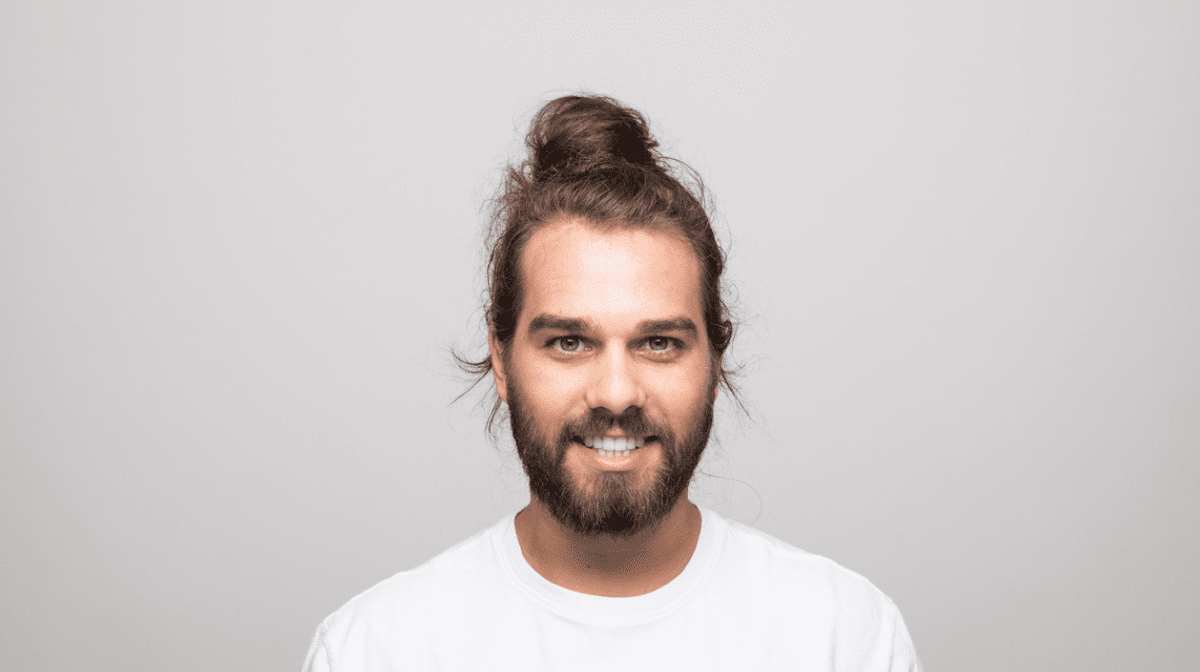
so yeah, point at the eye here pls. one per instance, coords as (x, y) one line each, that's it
(567, 344)
(660, 344)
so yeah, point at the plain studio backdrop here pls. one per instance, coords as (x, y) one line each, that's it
(238, 240)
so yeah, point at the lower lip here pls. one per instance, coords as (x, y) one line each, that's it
(634, 457)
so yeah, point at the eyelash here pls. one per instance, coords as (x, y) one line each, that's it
(673, 343)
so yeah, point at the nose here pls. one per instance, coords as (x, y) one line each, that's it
(615, 383)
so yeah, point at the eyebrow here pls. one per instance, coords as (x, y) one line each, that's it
(546, 322)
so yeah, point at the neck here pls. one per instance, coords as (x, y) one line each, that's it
(605, 565)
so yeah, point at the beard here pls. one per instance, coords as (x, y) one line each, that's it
(609, 503)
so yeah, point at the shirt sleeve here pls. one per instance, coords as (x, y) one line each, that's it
(870, 632)
(904, 656)
(318, 658)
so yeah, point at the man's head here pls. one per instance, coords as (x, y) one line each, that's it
(605, 317)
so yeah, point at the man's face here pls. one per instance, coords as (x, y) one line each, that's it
(611, 344)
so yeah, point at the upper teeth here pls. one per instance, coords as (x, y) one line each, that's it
(610, 443)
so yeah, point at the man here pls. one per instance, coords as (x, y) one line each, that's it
(606, 337)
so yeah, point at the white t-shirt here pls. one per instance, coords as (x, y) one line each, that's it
(745, 601)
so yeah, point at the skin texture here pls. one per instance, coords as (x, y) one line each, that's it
(608, 526)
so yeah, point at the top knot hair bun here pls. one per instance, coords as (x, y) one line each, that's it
(574, 135)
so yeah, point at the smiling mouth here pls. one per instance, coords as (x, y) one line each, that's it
(608, 446)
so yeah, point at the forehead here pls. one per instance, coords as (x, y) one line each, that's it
(624, 275)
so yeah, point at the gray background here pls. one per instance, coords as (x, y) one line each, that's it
(239, 238)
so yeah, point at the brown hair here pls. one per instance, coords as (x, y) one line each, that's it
(592, 158)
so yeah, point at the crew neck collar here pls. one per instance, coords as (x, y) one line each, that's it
(601, 610)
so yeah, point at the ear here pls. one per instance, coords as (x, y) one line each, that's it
(498, 373)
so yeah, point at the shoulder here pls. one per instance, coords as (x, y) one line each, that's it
(785, 563)
(406, 604)
(865, 625)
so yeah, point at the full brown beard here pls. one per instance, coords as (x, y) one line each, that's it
(609, 503)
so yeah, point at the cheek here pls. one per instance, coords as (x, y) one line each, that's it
(684, 398)
(553, 392)
(676, 394)
(554, 381)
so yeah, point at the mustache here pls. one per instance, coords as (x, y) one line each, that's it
(633, 422)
